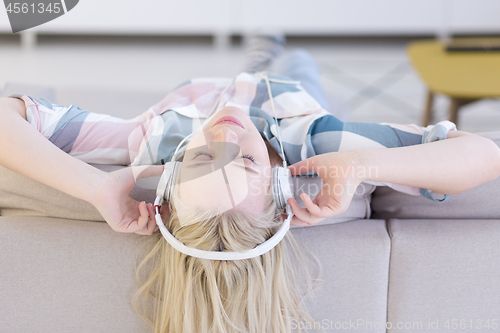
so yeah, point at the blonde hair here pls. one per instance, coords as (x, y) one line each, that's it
(179, 293)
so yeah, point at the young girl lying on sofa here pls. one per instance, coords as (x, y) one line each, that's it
(245, 126)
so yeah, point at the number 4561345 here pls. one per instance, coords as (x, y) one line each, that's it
(33, 8)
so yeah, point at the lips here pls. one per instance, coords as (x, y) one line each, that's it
(229, 120)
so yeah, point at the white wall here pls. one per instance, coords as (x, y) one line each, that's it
(332, 17)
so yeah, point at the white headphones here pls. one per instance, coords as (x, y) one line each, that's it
(281, 191)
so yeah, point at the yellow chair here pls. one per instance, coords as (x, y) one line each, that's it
(464, 76)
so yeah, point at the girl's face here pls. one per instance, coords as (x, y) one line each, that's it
(226, 165)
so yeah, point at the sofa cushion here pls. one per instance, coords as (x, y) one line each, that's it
(477, 203)
(444, 270)
(63, 275)
(21, 196)
(354, 257)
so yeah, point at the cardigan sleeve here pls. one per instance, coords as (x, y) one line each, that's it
(149, 138)
(90, 137)
(328, 134)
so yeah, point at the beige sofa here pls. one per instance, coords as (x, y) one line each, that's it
(391, 261)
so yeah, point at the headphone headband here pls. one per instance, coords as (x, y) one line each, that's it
(218, 255)
(281, 192)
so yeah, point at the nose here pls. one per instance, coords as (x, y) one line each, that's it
(226, 135)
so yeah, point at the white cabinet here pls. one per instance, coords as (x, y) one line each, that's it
(340, 17)
(475, 16)
(143, 17)
(322, 17)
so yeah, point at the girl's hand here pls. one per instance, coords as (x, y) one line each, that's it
(121, 212)
(341, 176)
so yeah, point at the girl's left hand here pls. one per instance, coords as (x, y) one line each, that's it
(340, 177)
(120, 211)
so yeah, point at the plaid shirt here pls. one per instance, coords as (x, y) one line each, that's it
(306, 129)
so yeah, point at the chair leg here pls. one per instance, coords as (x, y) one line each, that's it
(429, 101)
(455, 104)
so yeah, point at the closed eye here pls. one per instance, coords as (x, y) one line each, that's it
(200, 153)
(250, 158)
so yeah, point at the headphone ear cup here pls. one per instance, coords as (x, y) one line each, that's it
(168, 180)
(281, 186)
